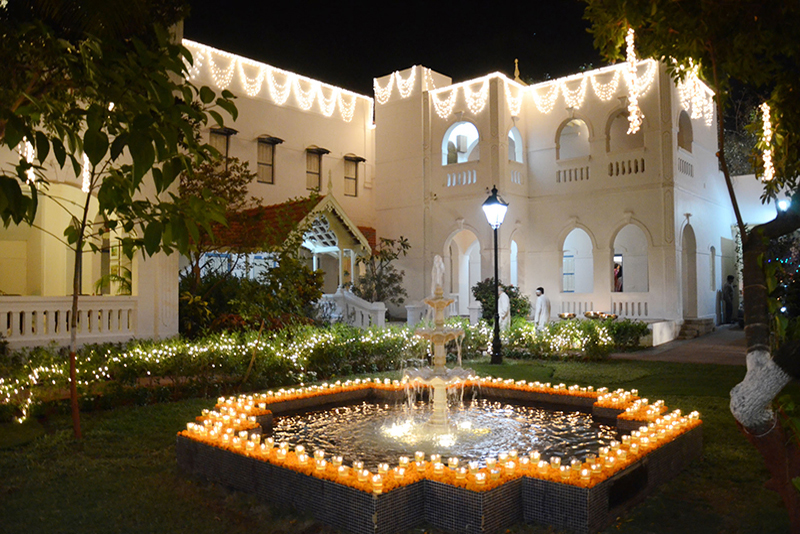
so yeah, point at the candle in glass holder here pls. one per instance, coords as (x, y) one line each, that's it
(302, 459)
(363, 475)
(319, 454)
(419, 456)
(585, 474)
(377, 484)
(491, 462)
(502, 457)
(555, 461)
(438, 468)
(343, 471)
(420, 466)
(542, 466)
(436, 458)
(299, 449)
(336, 461)
(399, 473)
(564, 472)
(513, 454)
(358, 465)
(535, 456)
(461, 473)
(383, 468)
(452, 462)
(321, 464)
(473, 467)
(510, 467)
(480, 479)
(404, 461)
(494, 473)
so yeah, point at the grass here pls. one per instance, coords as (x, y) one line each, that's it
(122, 476)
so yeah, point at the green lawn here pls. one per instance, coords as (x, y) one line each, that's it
(122, 477)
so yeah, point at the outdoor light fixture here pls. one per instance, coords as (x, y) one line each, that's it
(495, 209)
(783, 204)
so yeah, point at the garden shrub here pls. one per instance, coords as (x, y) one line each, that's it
(483, 292)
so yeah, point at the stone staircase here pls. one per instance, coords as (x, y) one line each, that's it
(693, 328)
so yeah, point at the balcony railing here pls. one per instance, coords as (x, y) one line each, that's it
(32, 321)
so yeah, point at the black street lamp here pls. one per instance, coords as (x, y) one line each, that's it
(495, 209)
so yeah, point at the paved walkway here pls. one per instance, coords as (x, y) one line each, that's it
(725, 346)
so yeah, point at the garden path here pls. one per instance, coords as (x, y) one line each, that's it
(725, 346)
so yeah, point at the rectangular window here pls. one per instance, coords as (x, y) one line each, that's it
(313, 171)
(266, 162)
(350, 178)
(219, 141)
(568, 269)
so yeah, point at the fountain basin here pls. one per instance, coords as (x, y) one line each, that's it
(430, 493)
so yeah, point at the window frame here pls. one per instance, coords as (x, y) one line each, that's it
(272, 142)
(318, 152)
(355, 160)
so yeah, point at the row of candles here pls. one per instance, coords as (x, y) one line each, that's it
(507, 465)
(257, 404)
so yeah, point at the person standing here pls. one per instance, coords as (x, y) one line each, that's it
(727, 298)
(504, 309)
(541, 314)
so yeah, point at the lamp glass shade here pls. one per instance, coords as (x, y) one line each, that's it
(495, 209)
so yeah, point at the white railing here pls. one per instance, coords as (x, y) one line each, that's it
(575, 174)
(577, 303)
(461, 178)
(631, 305)
(355, 311)
(626, 166)
(685, 167)
(33, 321)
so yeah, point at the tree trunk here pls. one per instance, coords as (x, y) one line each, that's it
(751, 400)
(73, 323)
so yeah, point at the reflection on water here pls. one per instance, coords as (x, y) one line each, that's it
(376, 433)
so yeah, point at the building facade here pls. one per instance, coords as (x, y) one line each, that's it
(635, 224)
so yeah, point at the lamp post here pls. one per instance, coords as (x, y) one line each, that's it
(495, 209)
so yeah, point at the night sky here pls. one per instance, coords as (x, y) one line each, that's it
(347, 45)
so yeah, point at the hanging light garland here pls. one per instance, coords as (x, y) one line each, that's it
(86, 185)
(694, 96)
(514, 103)
(769, 170)
(635, 114)
(306, 90)
(476, 100)
(26, 151)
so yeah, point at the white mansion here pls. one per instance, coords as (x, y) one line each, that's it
(418, 160)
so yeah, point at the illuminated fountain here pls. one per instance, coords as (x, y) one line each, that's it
(640, 447)
(439, 377)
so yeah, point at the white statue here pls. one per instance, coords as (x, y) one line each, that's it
(503, 309)
(437, 274)
(541, 314)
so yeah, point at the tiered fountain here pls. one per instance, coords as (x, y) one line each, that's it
(439, 377)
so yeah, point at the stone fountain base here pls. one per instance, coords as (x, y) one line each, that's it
(444, 506)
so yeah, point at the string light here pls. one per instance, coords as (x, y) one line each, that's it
(279, 92)
(476, 100)
(406, 86)
(27, 152)
(87, 175)
(575, 98)
(769, 170)
(606, 92)
(694, 96)
(444, 107)
(383, 93)
(635, 114)
(514, 103)
(546, 103)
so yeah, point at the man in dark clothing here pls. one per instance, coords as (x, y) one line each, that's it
(727, 298)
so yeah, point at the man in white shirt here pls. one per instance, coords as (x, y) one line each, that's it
(541, 314)
(503, 309)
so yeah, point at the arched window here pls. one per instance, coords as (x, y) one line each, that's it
(577, 267)
(618, 137)
(630, 260)
(573, 141)
(713, 268)
(515, 147)
(685, 136)
(460, 143)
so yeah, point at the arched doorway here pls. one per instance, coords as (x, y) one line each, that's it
(689, 272)
(465, 267)
(630, 260)
(577, 264)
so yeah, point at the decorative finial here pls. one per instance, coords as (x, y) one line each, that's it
(516, 71)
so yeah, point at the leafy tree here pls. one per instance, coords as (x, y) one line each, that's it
(382, 282)
(519, 304)
(750, 44)
(230, 184)
(118, 113)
